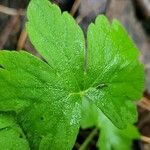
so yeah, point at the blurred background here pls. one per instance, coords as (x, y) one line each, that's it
(133, 14)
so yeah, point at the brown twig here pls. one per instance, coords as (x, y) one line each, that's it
(144, 121)
(75, 7)
(144, 7)
(147, 66)
(8, 29)
(81, 17)
(145, 139)
(11, 11)
(22, 39)
(144, 103)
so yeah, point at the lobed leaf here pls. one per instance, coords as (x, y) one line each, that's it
(44, 109)
(46, 96)
(113, 138)
(59, 39)
(115, 77)
(110, 137)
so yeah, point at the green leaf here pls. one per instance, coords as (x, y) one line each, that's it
(110, 136)
(113, 138)
(114, 78)
(47, 113)
(90, 114)
(46, 96)
(11, 135)
(59, 39)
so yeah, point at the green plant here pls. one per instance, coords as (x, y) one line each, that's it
(41, 101)
(110, 137)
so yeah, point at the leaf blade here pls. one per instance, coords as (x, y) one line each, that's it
(116, 76)
(61, 40)
(36, 93)
(110, 137)
(11, 135)
(122, 139)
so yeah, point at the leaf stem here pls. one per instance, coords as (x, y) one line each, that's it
(88, 139)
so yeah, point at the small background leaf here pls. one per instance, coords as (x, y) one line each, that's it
(110, 136)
